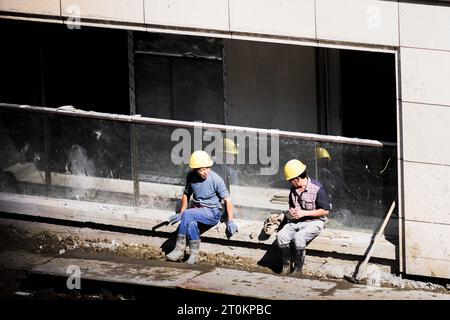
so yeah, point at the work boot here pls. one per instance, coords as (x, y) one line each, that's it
(194, 246)
(285, 260)
(299, 260)
(177, 254)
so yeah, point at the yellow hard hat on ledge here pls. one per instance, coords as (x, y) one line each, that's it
(322, 153)
(293, 168)
(229, 146)
(200, 159)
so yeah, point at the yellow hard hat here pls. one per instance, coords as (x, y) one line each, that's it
(200, 159)
(322, 153)
(293, 168)
(230, 146)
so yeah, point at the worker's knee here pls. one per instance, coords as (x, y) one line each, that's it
(188, 215)
(302, 239)
(300, 242)
(192, 226)
(283, 238)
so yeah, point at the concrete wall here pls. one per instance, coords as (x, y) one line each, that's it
(276, 80)
(420, 33)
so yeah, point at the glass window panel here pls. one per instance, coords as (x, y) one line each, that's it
(22, 157)
(90, 160)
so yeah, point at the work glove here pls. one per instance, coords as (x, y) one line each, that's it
(174, 218)
(231, 227)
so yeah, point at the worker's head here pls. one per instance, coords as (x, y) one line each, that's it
(201, 162)
(295, 172)
(322, 153)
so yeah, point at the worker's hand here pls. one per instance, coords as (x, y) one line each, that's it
(297, 213)
(231, 227)
(174, 218)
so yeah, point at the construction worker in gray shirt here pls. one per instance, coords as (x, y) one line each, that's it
(208, 190)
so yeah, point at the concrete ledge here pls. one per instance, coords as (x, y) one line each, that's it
(159, 276)
(216, 280)
(330, 240)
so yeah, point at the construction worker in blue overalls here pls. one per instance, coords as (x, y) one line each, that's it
(207, 189)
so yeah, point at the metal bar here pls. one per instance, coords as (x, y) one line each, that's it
(135, 164)
(131, 79)
(225, 84)
(179, 55)
(48, 176)
(316, 164)
(193, 124)
(133, 130)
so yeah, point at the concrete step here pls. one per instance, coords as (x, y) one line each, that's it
(216, 280)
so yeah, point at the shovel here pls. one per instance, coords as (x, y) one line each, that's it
(355, 277)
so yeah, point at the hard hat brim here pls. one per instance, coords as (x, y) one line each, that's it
(208, 164)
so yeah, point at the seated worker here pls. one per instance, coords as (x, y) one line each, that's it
(207, 189)
(308, 205)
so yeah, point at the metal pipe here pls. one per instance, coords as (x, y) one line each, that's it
(191, 124)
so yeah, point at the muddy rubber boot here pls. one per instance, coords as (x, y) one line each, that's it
(299, 260)
(194, 246)
(286, 260)
(177, 254)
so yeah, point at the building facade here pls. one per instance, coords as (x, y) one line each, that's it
(372, 70)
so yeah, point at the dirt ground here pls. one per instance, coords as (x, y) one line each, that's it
(44, 243)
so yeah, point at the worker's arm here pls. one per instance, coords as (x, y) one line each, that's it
(322, 204)
(177, 216)
(299, 213)
(229, 206)
(231, 226)
(184, 203)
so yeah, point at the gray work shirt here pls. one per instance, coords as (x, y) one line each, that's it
(206, 192)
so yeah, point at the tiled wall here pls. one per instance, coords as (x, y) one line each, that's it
(425, 109)
(360, 21)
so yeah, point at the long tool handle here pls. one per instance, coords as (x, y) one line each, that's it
(378, 236)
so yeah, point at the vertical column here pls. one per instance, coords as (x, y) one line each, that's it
(133, 127)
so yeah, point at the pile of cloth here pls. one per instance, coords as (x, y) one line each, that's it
(272, 223)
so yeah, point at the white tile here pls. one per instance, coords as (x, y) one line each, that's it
(424, 26)
(427, 192)
(45, 7)
(426, 133)
(428, 267)
(207, 14)
(425, 76)
(364, 21)
(427, 248)
(277, 17)
(110, 10)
